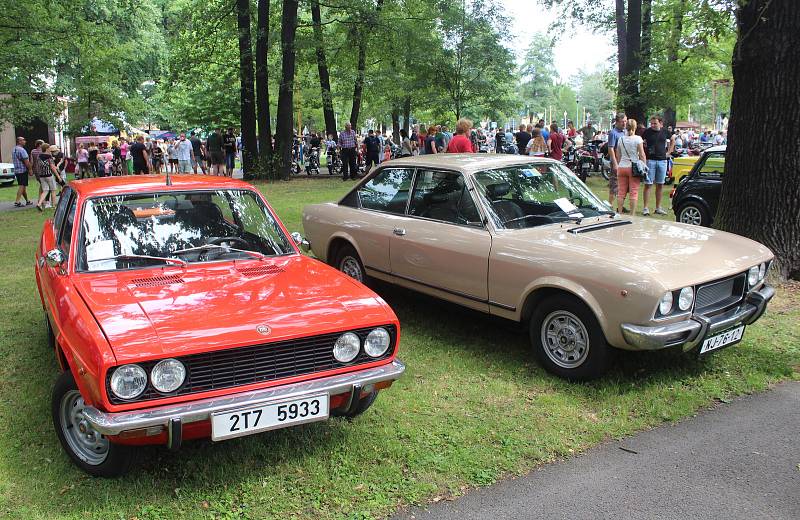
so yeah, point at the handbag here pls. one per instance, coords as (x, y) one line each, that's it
(638, 167)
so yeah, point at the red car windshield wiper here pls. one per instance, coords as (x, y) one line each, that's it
(177, 261)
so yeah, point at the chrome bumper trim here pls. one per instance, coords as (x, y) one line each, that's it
(200, 410)
(689, 333)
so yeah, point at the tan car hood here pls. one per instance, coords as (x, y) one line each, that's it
(672, 254)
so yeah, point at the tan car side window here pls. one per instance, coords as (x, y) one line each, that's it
(443, 196)
(387, 191)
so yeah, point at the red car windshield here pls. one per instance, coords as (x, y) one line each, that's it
(143, 230)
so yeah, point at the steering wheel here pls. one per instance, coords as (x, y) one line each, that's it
(218, 241)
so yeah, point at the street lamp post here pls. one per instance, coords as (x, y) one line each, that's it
(577, 111)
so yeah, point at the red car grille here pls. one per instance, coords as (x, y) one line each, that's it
(256, 364)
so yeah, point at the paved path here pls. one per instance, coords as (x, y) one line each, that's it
(9, 206)
(738, 461)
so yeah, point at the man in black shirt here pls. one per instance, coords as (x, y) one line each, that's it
(140, 158)
(655, 144)
(522, 139)
(373, 146)
(229, 144)
(199, 153)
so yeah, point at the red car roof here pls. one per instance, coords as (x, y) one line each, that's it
(149, 183)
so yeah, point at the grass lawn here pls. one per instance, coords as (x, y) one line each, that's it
(473, 407)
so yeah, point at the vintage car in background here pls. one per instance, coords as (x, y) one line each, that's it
(184, 311)
(524, 239)
(7, 176)
(695, 199)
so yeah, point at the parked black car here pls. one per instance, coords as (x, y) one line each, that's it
(695, 199)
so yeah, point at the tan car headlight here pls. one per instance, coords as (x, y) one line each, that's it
(686, 298)
(762, 271)
(665, 304)
(752, 276)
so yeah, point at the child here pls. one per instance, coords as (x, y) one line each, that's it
(387, 153)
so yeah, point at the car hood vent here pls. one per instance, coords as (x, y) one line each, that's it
(596, 227)
(157, 281)
(259, 270)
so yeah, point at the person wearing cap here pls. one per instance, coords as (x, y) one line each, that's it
(48, 176)
(22, 170)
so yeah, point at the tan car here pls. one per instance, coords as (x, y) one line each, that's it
(523, 238)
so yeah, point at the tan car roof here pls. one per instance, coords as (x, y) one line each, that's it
(466, 162)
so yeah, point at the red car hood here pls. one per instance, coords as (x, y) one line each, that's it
(174, 311)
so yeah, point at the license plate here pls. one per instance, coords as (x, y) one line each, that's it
(226, 425)
(720, 340)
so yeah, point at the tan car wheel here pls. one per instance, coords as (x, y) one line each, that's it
(568, 340)
(348, 262)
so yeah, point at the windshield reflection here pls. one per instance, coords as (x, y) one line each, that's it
(528, 195)
(134, 231)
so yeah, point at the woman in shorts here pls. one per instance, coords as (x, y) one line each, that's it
(48, 177)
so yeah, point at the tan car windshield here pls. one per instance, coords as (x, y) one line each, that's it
(529, 195)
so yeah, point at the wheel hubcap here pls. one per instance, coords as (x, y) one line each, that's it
(84, 441)
(350, 267)
(691, 215)
(565, 339)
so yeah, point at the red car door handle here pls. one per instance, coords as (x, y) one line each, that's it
(399, 231)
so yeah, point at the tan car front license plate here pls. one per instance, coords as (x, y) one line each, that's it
(722, 339)
(227, 425)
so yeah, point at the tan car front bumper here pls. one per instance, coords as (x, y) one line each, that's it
(691, 332)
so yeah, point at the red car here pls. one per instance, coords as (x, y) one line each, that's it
(180, 310)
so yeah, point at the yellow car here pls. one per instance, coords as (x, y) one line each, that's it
(681, 166)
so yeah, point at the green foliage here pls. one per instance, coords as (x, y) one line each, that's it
(96, 54)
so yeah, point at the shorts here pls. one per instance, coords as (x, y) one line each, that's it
(217, 157)
(656, 172)
(173, 161)
(140, 168)
(196, 162)
(612, 183)
(22, 178)
(48, 183)
(184, 166)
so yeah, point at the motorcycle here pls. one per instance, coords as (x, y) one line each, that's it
(590, 161)
(312, 163)
(334, 163)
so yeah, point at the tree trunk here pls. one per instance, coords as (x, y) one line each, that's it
(761, 192)
(396, 124)
(622, 52)
(262, 90)
(670, 112)
(322, 66)
(407, 115)
(647, 34)
(248, 101)
(358, 89)
(286, 90)
(633, 61)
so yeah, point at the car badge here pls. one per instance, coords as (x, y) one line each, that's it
(264, 330)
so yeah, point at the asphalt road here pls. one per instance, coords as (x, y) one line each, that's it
(739, 460)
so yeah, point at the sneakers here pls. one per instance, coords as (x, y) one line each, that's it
(660, 211)
(646, 212)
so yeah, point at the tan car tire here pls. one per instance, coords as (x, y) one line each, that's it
(568, 340)
(348, 262)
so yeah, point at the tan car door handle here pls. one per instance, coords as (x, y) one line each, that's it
(399, 231)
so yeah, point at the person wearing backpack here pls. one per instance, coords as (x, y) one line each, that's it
(630, 151)
(48, 177)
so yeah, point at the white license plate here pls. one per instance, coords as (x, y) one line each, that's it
(720, 340)
(226, 425)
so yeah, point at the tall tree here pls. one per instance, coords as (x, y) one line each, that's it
(247, 93)
(284, 123)
(630, 55)
(761, 192)
(262, 89)
(322, 67)
(673, 45)
(363, 32)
